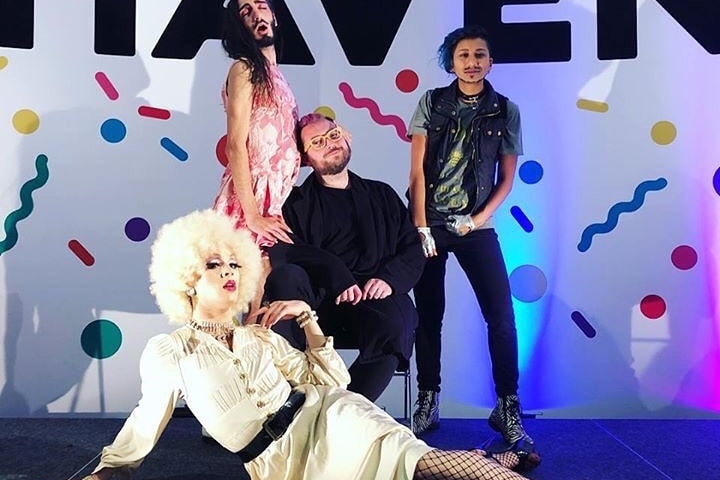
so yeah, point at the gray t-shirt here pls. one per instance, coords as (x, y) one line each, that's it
(454, 193)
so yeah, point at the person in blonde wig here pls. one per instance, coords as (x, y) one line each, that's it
(284, 412)
(179, 257)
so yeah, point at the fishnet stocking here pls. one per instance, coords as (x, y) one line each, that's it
(466, 465)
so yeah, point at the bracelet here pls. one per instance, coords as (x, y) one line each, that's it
(306, 318)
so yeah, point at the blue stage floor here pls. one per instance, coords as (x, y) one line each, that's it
(55, 448)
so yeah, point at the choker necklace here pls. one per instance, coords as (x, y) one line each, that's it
(471, 100)
(219, 331)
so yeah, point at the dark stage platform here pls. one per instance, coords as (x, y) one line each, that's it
(56, 448)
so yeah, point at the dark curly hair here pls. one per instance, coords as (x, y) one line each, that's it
(239, 43)
(447, 49)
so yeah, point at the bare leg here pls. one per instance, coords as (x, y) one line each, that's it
(466, 465)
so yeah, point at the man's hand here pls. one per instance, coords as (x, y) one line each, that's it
(428, 242)
(375, 289)
(351, 295)
(273, 228)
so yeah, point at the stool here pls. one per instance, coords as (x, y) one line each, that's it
(407, 395)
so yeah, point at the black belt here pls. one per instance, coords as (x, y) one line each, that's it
(273, 427)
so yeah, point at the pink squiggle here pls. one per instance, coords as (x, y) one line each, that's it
(374, 110)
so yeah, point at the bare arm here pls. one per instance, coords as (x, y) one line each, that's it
(240, 92)
(239, 107)
(506, 174)
(418, 192)
(417, 180)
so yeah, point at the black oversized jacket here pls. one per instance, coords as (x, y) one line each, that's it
(389, 240)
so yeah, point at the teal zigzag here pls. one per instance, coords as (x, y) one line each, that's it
(26, 203)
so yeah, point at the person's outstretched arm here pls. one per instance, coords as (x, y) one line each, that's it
(147, 421)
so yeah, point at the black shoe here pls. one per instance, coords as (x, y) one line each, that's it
(426, 416)
(528, 458)
(505, 418)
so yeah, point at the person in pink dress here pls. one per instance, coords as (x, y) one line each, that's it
(263, 159)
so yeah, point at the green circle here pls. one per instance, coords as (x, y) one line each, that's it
(101, 338)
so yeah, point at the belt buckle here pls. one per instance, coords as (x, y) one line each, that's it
(268, 429)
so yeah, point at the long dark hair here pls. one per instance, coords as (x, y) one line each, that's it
(447, 49)
(239, 43)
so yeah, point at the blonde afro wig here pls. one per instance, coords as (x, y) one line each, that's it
(180, 253)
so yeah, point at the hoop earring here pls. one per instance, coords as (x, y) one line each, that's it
(191, 292)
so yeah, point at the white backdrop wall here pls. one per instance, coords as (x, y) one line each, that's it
(615, 285)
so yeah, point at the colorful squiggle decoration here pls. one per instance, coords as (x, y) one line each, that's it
(372, 107)
(615, 211)
(26, 203)
(583, 324)
(521, 218)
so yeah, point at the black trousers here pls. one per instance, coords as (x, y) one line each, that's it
(382, 330)
(480, 257)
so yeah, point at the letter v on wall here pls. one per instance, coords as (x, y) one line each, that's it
(195, 21)
(700, 18)
(366, 30)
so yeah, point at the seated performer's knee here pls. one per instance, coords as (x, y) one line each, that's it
(390, 325)
(285, 282)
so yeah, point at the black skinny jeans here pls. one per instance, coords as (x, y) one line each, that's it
(480, 257)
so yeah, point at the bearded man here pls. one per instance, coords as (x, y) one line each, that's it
(355, 257)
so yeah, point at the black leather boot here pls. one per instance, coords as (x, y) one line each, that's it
(505, 418)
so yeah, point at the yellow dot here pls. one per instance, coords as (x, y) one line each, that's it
(326, 111)
(663, 133)
(3, 62)
(26, 121)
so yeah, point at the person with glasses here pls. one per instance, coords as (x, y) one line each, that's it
(355, 257)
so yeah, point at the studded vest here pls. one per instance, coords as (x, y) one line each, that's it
(487, 130)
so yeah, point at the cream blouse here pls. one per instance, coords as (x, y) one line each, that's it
(229, 392)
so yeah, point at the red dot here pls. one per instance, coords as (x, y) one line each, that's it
(652, 306)
(220, 151)
(684, 257)
(406, 80)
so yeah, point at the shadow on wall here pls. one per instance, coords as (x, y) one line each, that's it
(574, 374)
(683, 377)
(109, 180)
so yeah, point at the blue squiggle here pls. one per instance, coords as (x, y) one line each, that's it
(26, 203)
(615, 211)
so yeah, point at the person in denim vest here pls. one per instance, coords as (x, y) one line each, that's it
(466, 139)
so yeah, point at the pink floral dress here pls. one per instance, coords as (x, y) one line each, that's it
(273, 155)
